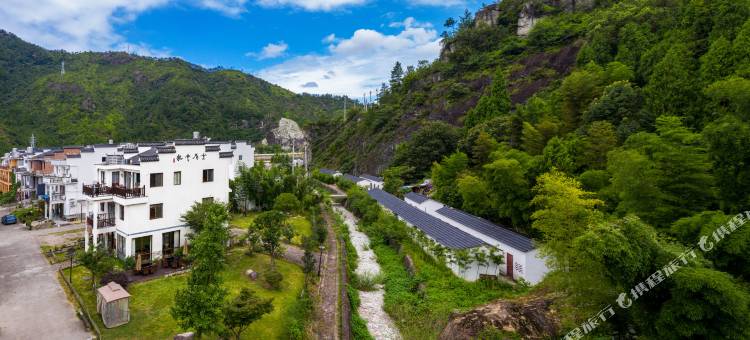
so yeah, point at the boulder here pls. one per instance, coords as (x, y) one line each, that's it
(528, 317)
(253, 275)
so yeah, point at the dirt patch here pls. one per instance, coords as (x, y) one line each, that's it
(530, 318)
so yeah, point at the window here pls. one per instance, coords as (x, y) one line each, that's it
(115, 178)
(177, 178)
(208, 199)
(156, 180)
(208, 175)
(101, 207)
(122, 212)
(240, 157)
(155, 211)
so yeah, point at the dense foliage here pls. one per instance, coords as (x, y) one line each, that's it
(614, 134)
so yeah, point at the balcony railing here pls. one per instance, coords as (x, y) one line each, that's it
(94, 190)
(102, 220)
(57, 197)
(128, 192)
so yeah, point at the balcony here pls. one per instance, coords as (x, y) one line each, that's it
(124, 192)
(103, 220)
(95, 190)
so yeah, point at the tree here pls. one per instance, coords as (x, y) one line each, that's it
(494, 102)
(705, 304)
(392, 179)
(484, 146)
(243, 310)
(269, 228)
(397, 73)
(197, 216)
(198, 306)
(97, 261)
(741, 50)
(449, 23)
(664, 176)
(474, 193)
(429, 144)
(565, 211)
(727, 139)
(621, 104)
(578, 90)
(533, 141)
(444, 177)
(672, 89)
(287, 203)
(510, 189)
(600, 139)
(718, 62)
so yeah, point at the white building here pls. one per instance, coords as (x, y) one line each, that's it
(140, 193)
(374, 182)
(362, 182)
(452, 239)
(334, 173)
(522, 258)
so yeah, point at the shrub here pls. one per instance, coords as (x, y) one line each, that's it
(273, 278)
(367, 282)
(128, 263)
(286, 202)
(118, 277)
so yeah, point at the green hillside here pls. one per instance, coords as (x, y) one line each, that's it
(126, 97)
(615, 133)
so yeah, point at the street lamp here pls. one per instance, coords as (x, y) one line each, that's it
(71, 254)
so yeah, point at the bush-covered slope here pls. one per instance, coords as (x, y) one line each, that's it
(126, 97)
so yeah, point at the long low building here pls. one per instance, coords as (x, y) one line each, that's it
(452, 239)
(522, 258)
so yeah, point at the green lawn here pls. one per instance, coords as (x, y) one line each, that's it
(150, 301)
(243, 221)
(302, 227)
(300, 224)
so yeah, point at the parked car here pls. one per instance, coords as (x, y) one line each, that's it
(9, 219)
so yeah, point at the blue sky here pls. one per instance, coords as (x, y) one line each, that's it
(316, 46)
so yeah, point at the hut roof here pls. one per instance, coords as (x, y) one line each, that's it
(113, 292)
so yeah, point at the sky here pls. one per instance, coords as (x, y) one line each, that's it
(342, 47)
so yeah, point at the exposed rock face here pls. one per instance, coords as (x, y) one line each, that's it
(526, 20)
(530, 318)
(488, 15)
(288, 134)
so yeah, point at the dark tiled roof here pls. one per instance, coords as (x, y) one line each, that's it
(166, 149)
(440, 231)
(327, 171)
(189, 141)
(353, 179)
(75, 155)
(226, 154)
(413, 196)
(113, 145)
(129, 150)
(87, 149)
(151, 144)
(372, 178)
(149, 155)
(488, 228)
(210, 148)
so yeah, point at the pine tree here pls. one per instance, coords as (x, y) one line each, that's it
(493, 103)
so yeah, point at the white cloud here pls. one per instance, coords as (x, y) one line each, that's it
(331, 38)
(357, 64)
(311, 5)
(88, 25)
(410, 22)
(230, 8)
(270, 51)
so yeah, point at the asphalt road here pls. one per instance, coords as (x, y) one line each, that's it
(32, 303)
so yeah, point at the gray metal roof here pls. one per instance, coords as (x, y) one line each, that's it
(372, 178)
(413, 196)
(440, 231)
(327, 171)
(352, 178)
(488, 228)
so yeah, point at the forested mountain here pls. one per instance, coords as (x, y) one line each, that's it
(126, 97)
(616, 133)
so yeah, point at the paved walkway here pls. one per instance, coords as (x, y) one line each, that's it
(327, 311)
(32, 303)
(379, 323)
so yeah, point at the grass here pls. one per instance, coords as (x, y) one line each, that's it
(150, 301)
(301, 226)
(65, 232)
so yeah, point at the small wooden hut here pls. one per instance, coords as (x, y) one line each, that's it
(112, 303)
